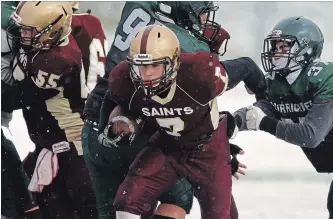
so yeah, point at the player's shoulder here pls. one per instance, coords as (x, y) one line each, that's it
(120, 84)
(120, 71)
(148, 6)
(189, 43)
(319, 72)
(87, 25)
(119, 77)
(59, 60)
(81, 20)
(201, 65)
(199, 75)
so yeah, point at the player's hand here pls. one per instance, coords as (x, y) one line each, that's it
(254, 115)
(236, 166)
(240, 118)
(6, 70)
(108, 142)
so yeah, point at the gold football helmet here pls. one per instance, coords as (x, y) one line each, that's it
(41, 25)
(153, 45)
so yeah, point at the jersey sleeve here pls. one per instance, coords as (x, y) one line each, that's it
(23, 94)
(321, 80)
(211, 74)
(44, 77)
(135, 15)
(52, 70)
(120, 85)
(318, 122)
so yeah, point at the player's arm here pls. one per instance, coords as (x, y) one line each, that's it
(107, 106)
(318, 122)
(23, 94)
(118, 85)
(241, 69)
(245, 69)
(211, 76)
(39, 84)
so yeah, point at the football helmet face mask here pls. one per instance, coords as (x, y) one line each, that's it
(40, 25)
(154, 46)
(281, 54)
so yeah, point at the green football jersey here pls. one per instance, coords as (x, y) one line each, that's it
(294, 98)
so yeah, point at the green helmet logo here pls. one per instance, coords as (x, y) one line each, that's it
(292, 44)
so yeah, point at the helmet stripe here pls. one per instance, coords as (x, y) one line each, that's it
(19, 7)
(144, 39)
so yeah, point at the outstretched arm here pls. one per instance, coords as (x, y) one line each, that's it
(245, 69)
(318, 122)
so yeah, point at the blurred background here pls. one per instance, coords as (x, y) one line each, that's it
(280, 182)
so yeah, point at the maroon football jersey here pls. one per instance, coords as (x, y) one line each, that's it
(53, 78)
(189, 110)
(89, 35)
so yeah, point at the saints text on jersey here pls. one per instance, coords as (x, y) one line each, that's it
(162, 111)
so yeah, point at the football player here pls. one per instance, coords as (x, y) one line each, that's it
(298, 94)
(118, 160)
(102, 161)
(89, 35)
(51, 90)
(176, 93)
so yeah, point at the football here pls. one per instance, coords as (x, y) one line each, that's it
(123, 122)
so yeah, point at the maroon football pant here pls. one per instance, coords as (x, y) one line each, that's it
(155, 170)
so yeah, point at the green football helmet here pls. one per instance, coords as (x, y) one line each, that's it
(292, 44)
(187, 14)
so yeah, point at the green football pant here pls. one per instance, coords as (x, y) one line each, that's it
(109, 166)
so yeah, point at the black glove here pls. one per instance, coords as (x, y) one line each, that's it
(234, 150)
(231, 123)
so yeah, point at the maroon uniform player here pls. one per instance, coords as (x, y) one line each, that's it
(176, 92)
(51, 89)
(90, 38)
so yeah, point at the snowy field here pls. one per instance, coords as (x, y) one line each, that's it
(280, 181)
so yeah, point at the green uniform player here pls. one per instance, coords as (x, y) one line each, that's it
(299, 93)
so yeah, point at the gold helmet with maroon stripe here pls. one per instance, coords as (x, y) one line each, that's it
(41, 24)
(153, 45)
